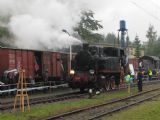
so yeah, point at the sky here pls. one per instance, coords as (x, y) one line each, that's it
(138, 14)
(39, 23)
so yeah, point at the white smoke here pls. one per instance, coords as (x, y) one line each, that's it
(38, 24)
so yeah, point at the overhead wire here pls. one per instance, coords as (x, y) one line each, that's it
(146, 11)
(157, 6)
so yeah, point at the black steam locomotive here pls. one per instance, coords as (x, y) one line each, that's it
(95, 66)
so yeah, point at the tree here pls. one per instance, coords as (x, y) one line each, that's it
(111, 39)
(151, 35)
(87, 26)
(137, 46)
(152, 40)
(155, 49)
(4, 32)
(128, 42)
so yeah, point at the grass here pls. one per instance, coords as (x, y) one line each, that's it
(146, 111)
(41, 111)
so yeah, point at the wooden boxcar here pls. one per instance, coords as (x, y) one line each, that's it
(35, 63)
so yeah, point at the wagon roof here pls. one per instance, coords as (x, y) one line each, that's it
(14, 48)
(155, 58)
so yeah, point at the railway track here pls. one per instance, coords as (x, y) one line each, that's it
(98, 111)
(5, 106)
(34, 101)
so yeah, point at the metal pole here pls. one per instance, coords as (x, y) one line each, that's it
(70, 52)
(70, 49)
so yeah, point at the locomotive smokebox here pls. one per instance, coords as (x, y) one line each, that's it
(122, 25)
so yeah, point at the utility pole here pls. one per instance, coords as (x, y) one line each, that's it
(70, 49)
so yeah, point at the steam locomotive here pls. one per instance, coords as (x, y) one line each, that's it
(94, 66)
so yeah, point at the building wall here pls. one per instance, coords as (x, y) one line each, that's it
(131, 52)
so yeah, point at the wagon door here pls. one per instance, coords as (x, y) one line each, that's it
(38, 65)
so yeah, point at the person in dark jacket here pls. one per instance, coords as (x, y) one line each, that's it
(140, 79)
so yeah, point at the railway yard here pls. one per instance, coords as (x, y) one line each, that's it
(67, 104)
(59, 62)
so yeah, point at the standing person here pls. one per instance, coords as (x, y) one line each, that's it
(127, 80)
(108, 82)
(140, 78)
(150, 74)
(32, 81)
(46, 76)
(112, 82)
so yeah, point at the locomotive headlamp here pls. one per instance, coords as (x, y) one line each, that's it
(103, 77)
(91, 71)
(72, 72)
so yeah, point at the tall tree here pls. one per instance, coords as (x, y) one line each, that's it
(137, 46)
(128, 42)
(87, 27)
(152, 38)
(151, 35)
(111, 39)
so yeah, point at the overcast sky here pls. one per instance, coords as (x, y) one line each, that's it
(138, 14)
(36, 23)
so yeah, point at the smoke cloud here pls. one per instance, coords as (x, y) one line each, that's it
(38, 24)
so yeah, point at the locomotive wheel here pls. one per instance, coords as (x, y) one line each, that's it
(117, 80)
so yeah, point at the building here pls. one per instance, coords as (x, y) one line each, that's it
(131, 50)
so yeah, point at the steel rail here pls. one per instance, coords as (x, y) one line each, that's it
(96, 106)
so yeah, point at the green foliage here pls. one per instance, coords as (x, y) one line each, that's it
(128, 42)
(4, 32)
(87, 26)
(153, 43)
(155, 48)
(5, 37)
(111, 39)
(137, 46)
(151, 35)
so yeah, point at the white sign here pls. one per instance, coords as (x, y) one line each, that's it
(131, 69)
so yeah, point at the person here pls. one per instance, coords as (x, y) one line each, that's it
(112, 82)
(150, 74)
(46, 76)
(132, 77)
(32, 81)
(10, 78)
(140, 78)
(108, 82)
(140, 64)
(127, 80)
(127, 77)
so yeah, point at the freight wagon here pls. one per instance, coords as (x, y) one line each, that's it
(35, 63)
